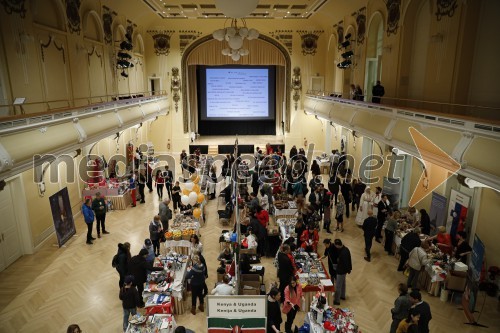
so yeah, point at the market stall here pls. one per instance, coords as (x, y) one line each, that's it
(285, 208)
(115, 191)
(179, 233)
(286, 227)
(323, 318)
(313, 276)
(161, 323)
(165, 290)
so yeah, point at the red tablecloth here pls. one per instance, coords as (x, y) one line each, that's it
(311, 288)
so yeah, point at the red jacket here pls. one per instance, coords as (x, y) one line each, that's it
(263, 217)
(292, 260)
(293, 298)
(305, 237)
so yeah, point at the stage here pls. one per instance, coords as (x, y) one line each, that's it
(224, 144)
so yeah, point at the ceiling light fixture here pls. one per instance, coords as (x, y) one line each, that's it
(234, 36)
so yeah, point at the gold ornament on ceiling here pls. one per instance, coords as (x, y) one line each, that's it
(309, 41)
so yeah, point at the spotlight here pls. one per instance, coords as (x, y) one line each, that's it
(346, 44)
(347, 54)
(124, 55)
(126, 46)
(348, 36)
(124, 74)
(123, 63)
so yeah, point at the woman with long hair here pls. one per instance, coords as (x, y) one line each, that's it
(160, 181)
(293, 298)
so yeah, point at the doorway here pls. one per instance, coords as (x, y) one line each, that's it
(10, 244)
(373, 54)
(154, 85)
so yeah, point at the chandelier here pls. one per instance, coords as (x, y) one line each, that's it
(234, 35)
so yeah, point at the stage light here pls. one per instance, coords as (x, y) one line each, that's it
(346, 44)
(124, 74)
(348, 36)
(347, 54)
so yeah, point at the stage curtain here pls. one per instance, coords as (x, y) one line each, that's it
(193, 98)
(280, 95)
(261, 53)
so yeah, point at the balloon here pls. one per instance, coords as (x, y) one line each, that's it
(201, 197)
(193, 196)
(189, 186)
(197, 213)
(185, 191)
(185, 200)
(196, 188)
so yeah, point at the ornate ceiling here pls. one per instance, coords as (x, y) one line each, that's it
(204, 9)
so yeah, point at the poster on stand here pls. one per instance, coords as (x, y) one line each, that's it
(245, 314)
(457, 212)
(473, 277)
(437, 212)
(62, 216)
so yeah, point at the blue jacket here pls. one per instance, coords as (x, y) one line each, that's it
(88, 214)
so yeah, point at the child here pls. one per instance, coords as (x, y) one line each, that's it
(148, 245)
(339, 215)
(130, 300)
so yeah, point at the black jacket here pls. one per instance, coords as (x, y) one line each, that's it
(139, 267)
(285, 268)
(425, 224)
(130, 297)
(332, 254)
(197, 275)
(381, 215)
(425, 317)
(273, 316)
(410, 241)
(334, 184)
(370, 227)
(96, 207)
(154, 231)
(122, 266)
(344, 265)
(345, 188)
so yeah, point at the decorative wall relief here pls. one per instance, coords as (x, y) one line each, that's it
(285, 37)
(73, 15)
(14, 6)
(393, 16)
(339, 27)
(186, 37)
(46, 45)
(360, 16)
(309, 41)
(107, 21)
(161, 41)
(175, 87)
(94, 51)
(445, 7)
(296, 86)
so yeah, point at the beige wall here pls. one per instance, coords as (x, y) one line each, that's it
(488, 227)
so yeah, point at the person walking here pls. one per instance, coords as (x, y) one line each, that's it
(176, 196)
(130, 300)
(169, 178)
(122, 261)
(99, 208)
(346, 191)
(378, 91)
(132, 187)
(291, 305)
(423, 308)
(274, 319)
(382, 210)
(139, 267)
(160, 182)
(197, 275)
(344, 267)
(88, 216)
(142, 184)
(369, 228)
(165, 213)
(334, 186)
(390, 229)
(401, 307)
(155, 232)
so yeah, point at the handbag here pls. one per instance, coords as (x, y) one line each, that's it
(407, 271)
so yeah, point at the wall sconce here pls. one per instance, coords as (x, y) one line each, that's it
(175, 87)
(437, 38)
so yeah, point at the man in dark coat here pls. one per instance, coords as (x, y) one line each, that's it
(377, 92)
(285, 268)
(332, 254)
(410, 241)
(383, 208)
(99, 208)
(334, 186)
(139, 267)
(423, 308)
(369, 228)
(344, 266)
(346, 191)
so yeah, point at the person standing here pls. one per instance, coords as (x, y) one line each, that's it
(132, 187)
(401, 307)
(417, 259)
(169, 177)
(285, 268)
(142, 183)
(160, 181)
(176, 196)
(369, 228)
(423, 308)
(99, 208)
(197, 275)
(123, 258)
(149, 177)
(346, 191)
(139, 267)
(365, 205)
(273, 311)
(291, 305)
(334, 186)
(328, 207)
(410, 241)
(390, 229)
(155, 232)
(130, 300)
(88, 216)
(332, 254)
(425, 222)
(344, 267)
(165, 213)
(339, 214)
(382, 209)
(378, 91)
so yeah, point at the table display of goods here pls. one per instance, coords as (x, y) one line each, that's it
(287, 227)
(311, 270)
(324, 318)
(158, 323)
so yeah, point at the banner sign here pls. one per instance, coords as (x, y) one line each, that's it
(62, 216)
(476, 264)
(241, 314)
(457, 212)
(437, 212)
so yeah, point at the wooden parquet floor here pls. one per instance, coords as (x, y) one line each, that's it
(53, 288)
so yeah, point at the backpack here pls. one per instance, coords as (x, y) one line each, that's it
(114, 262)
